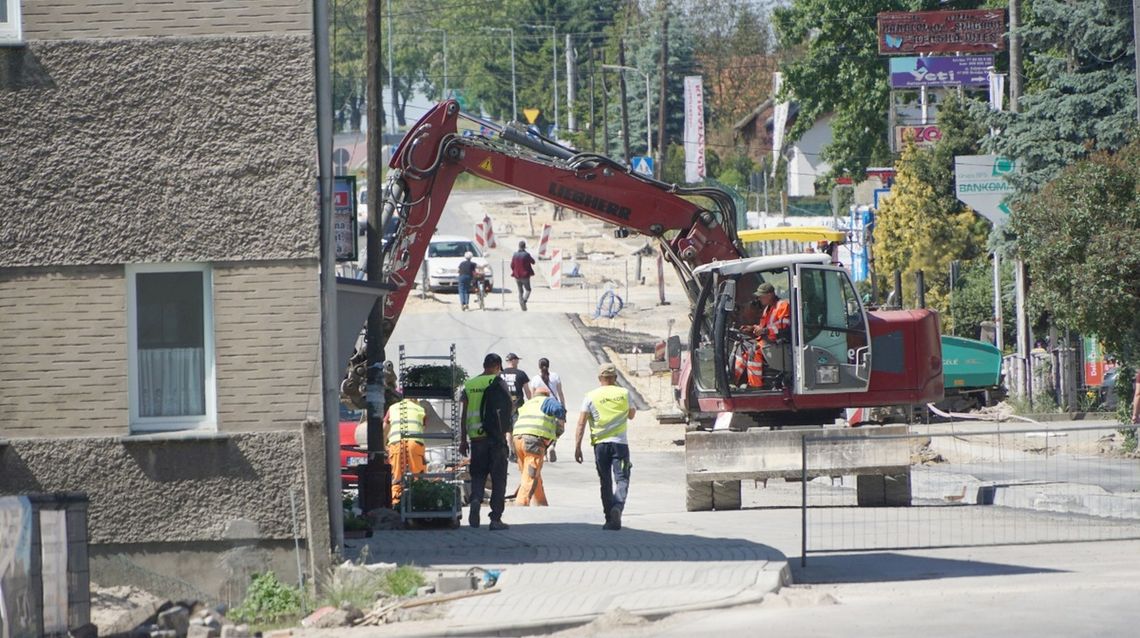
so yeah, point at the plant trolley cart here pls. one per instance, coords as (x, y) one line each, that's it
(434, 495)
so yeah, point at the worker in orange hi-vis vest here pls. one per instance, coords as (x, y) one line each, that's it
(775, 318)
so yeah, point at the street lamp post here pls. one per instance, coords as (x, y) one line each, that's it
(553, 65)
(444, 60)
(514, 87)
(648, 136)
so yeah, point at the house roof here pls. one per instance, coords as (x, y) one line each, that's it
(747, 119)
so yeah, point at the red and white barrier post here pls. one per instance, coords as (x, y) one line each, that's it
(490, 232)
(481, 237)
(556, 268)
(543, 241)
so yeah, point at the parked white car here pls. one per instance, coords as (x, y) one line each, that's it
(443, 257)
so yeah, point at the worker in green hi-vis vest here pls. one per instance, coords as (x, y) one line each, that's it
(608, 411)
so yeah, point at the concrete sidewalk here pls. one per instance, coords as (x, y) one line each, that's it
(560, 569)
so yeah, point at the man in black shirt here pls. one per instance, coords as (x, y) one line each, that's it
(519, 384)
(466, 275)
(490, 435)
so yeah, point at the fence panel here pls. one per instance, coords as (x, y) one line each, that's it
(968, 486)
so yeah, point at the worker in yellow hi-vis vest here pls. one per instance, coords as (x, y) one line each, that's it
(540, 423)
(404, 432)
(608, 411)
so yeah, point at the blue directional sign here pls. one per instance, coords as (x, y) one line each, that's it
(643, 164)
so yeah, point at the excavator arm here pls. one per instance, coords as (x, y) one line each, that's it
(433, 154)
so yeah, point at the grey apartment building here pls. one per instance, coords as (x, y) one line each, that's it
(159, 310)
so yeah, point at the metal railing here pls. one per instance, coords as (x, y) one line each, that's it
(1029, 483)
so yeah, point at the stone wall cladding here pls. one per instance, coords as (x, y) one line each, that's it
(67, 19)
(63, 352)
(267, 343)
(157, 150)
(225, 489)
(63, 348)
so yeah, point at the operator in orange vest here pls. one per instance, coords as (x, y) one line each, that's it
(775, 321)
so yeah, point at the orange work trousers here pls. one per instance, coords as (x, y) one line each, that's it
(530, 471)
(750, 369)
(405, 456)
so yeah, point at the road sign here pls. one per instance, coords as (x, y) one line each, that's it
(531, 115)
(643, 164)
(980, 183)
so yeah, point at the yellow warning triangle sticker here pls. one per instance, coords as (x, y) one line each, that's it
(531, 114)
(485, 165)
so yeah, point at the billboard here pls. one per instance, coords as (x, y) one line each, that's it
(980, 183)
(908, 33)
(344, 218)
(958, 70)
(924, 136)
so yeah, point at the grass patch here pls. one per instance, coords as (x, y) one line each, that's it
(268, 601)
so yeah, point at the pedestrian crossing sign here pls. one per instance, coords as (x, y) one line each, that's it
(643, 164)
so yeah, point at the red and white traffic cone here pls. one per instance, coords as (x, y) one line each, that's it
(481, 237)
(490, 231)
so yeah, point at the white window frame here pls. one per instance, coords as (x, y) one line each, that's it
(11, 32)
(205, 422)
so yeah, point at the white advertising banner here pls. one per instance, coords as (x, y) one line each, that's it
(779, 122)
(980, 183)
(694, 129)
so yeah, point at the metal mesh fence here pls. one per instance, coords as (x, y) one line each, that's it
(967, 486)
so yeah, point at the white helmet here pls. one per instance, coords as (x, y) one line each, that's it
(468, 254)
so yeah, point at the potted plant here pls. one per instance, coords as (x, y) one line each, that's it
(430, 496)
(433, 381)
(356, 526)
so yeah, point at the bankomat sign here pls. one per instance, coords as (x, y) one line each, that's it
(916, 32)
(980, 183)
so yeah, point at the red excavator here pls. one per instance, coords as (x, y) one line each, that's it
(835, 355)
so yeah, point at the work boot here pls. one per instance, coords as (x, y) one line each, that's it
(473, 517)
(497, 525)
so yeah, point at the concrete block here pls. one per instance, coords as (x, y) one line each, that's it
(202, 631)
(450, 584)
(235, 631)
(176, 619)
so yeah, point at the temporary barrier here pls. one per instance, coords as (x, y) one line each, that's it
(556, 268)
(490, 232)
(481, 236)
(542, 243)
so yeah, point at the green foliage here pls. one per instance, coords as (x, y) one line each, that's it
(674, 169)
(403, 581)
(1078, 235)
(972, 300)
(362, 587)
(268, 600)
(835, 68)
(1081, 92)
(430, 495)
(434, 376)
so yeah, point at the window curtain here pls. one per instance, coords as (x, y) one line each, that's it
(172, 382)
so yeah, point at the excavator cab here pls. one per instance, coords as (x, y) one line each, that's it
(825, 350)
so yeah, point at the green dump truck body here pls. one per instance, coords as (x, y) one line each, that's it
(968, 364)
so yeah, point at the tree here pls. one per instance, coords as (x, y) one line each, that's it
(735, 55)
(1080, 96)
(922, 225)
(1078, 235)
(348, 54)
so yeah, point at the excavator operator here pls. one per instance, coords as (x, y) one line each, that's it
(775, 322)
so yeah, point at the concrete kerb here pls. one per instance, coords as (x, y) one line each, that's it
(780, 578)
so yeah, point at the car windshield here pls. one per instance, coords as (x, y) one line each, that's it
(451, 249)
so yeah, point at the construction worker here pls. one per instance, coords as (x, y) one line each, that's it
(775, 322)
(608, 411)
(486, 414)
(404, 432)
(540, 422)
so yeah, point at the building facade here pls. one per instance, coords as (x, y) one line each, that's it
(159, 289)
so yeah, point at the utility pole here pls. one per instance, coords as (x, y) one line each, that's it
(571, 84)
(605, 111)
(624, 109)
(1136, 49)
(374, 330)
(593, 104)
(1015, 53)
(391, 75)
(659, 165)
(1024, 335)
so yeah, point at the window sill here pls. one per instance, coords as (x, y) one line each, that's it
(174, 436)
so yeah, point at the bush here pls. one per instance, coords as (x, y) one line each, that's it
(268, 600)
(434, 376)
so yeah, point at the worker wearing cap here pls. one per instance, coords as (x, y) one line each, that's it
(486, 414)
(540, 422)
(608, 411)
(775, 322)
(404, 432)
(466, 276)
(518, 382)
